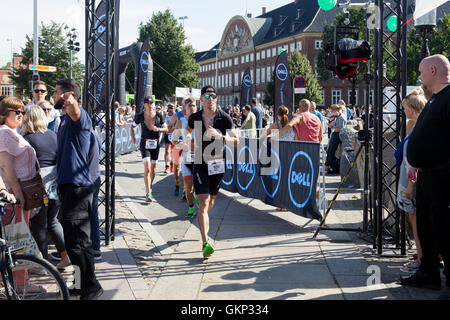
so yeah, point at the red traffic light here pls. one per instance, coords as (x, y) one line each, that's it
(35, 77)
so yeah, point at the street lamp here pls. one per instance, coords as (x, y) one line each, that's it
(12, 64)
(217, 65)
(71, 44)
(425, 25)
(183, 18)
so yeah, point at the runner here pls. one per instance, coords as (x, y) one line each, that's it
(209, 124)
(182, 139)
(176, 152)
(151, 125)
(167, 138)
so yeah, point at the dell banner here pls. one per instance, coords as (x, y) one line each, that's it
(246, 88)
(143, 79)
(283, 84)
(288, 181)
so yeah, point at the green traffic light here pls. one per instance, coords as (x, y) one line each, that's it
(392, 23)
(327, 4)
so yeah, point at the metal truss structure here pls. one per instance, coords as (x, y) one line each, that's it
(390, 50)
(101, 72)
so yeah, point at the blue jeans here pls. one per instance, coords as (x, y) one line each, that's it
(95, 227)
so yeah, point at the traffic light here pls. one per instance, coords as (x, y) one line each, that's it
(36, 77)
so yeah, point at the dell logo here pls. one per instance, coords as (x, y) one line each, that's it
(144, 62)
(282, 72)
(303, 179)
(246, 168)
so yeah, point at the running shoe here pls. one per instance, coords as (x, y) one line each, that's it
(184, 195)
(166, 170)
(191, 212)
(149, 197)
(207, 250)
(176, 192)
(171, 167)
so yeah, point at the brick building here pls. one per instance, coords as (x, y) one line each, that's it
(255, 42)
(7, 88)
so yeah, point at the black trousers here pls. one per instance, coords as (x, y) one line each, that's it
(76, 208)
(333, 144)
(433, 220)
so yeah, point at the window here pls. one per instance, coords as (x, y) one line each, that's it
(258, 55)
(268, 53)
(349, 96)
(335, 96)
(268, 77)
(252, 57)
(263, 54)
(242, 75)
(318, 44)
(252, 73)
(292, 46)
(230, 63)
(263, 75)
(230, 80)
(323, 98)
(370, 97)
(236, 79)
(299, 45)
(274, 52)
(258, 75)
(247, 58)
(242, 59)
(236, 61)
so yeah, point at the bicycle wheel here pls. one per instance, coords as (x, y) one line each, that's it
(37, 279)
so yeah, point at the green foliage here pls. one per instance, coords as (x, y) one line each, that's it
(299, 65)
(168, 51)
(53, 51)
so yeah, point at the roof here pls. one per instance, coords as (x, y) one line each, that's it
(295, 18)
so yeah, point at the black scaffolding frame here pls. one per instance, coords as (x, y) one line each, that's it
(102, 72)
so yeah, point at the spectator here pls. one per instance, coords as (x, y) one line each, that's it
(44, 142)
(335, 125)
(39, 93)
(250, 121)
(52, 115)
(17, 163)
(94, 169)
(75, 184)
(313, 109)
(306, 125)
(426, 151)
(347, 114)
(257, 111)
(413, 105)
(116, 113)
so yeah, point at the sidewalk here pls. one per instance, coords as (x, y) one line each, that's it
(260, 254)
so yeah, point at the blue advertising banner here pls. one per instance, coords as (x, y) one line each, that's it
(246, 88)
(283, 84)
(289, 181)
(143, 78)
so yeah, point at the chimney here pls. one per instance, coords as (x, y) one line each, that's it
(249, 15)
(264, 10)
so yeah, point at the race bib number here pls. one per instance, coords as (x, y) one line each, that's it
(189, 157)
(216, 167)
(151, 144)
(169, 136)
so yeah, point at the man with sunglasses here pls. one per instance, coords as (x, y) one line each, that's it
(210, 126)
(39, 93)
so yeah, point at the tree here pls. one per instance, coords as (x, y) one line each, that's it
(53, 51)
(299, 65)
(174, 62)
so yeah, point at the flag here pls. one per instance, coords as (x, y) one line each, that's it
(425, 6)
(283, 85)
(246, 88)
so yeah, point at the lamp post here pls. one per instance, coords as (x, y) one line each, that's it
(72, 45)
(12, 65)
(217, 65)
(425, 25)
(182, 19)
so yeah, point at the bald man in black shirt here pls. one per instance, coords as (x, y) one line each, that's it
(428, 150)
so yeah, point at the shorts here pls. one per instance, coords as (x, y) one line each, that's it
(405, 204)
(204, 183)
(166, 140)
(176, 155)
(149, 154)
(186, 169)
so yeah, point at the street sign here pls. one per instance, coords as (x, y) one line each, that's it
(299, 90)
(36, 67)
(299, 82)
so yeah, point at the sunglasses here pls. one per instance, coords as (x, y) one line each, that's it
(213, 95)
(46, 109)
(40, 91)
(170, 108)
(19, 112)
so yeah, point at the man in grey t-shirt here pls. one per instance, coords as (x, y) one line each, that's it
(257, 111)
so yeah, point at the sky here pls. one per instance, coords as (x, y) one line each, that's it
(204, 26)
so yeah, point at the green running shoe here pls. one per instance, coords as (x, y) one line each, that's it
(149, 197)
(207, 250)
(191, 212)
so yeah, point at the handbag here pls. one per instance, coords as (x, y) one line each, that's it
(398, 154)
(19, 237)
(33, 191)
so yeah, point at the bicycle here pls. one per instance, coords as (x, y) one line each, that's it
(42, 280)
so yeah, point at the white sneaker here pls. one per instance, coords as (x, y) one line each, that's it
(64, 263)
